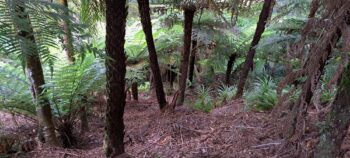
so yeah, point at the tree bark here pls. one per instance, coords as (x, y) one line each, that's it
(116, 13)
(248, 64)
(134, 90)
(67, 37)
(192, 60)
(230, 64)
(35, 74)
(189, 14)
(337, 123)
(147, 28)
(315, 4)
(84, 124)
(307, 92)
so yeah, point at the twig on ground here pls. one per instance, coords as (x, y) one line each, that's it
(265, 145)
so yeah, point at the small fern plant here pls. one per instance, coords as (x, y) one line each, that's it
(263, 95)
(205, 101)
(225, 93)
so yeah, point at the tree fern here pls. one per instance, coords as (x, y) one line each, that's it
(71, 82)
(42, 15)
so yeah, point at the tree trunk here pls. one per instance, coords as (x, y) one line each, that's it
(171, 76)
(307, 92)
(189, 14)
(337, 122)
(134, 90)
(67, 37)
(116, 13)
(35, 75)
(315, 4)
(230, 64)
(84, 124)
(192, 60)
(147, 28)
(248, 64)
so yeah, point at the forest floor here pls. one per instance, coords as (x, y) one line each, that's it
(227, 131)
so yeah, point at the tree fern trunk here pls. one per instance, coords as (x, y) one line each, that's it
(69, 48)
(35, 74)
(134, 90)
(337, 123)
(116, 13)
(248, 64)
(84, 124)
(230, 63)
(307, 92)
(189, 14)
(192, 60)
(147, 28)
(67, 37)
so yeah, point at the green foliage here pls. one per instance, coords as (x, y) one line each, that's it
(286, 8)
(204, 102)
(15, 95)
(91, 13)
(135, 74)
(327, 96)
(70, 84)
(168, 44)
(263, 95)
(41, 16)
(225, 93)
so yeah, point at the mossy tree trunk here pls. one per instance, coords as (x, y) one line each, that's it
(188, 14)
(116, 13)
(144, 10)
(338, 121)
(35, 74)
(249, 61)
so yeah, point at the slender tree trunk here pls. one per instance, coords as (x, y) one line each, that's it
(171, 76)
(337, 123)
(116, 13)
(67, 37)
(134, 90)
(189, 14)
(192, 60)
(230, 64)
(248, 64)
(35, 75)
(84, 124)
(147, 28)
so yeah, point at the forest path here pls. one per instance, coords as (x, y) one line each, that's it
(227, 131)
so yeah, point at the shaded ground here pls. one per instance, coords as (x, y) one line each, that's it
(228, 131)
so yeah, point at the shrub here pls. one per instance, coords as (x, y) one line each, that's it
(225, 93)
(263, 95)
(204, 102)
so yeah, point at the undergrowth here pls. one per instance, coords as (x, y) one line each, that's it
(263, 95)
